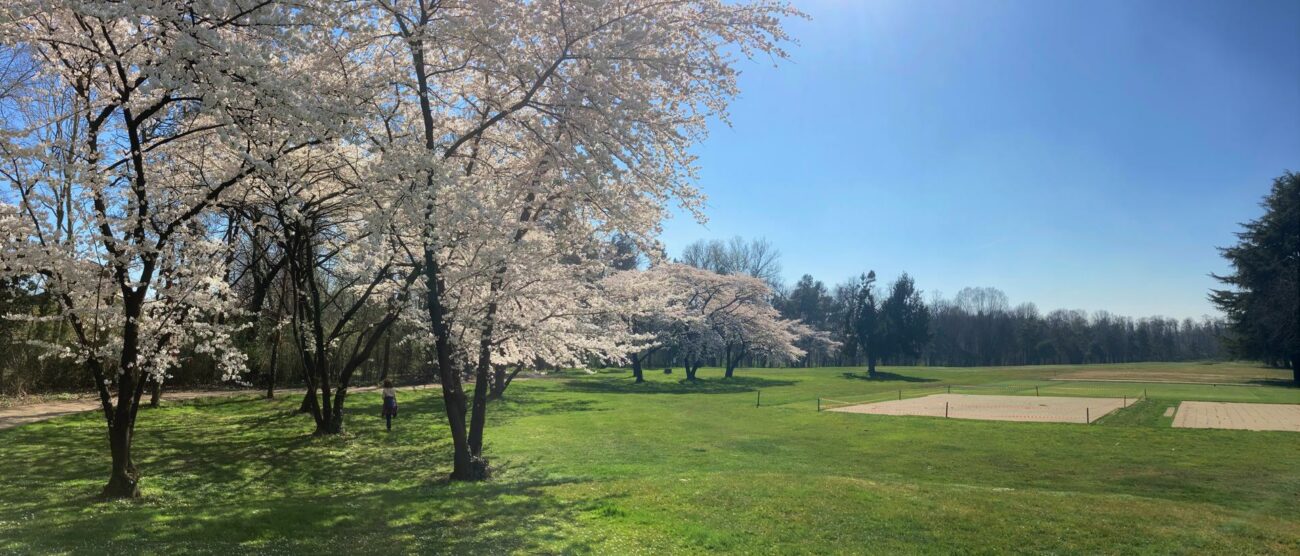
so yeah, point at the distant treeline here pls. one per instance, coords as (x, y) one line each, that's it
(977, 327)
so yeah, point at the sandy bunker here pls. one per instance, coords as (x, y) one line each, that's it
(1046, 409)
(1244, 416)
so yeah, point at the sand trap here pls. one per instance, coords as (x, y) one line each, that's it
(1170, 412)
(1054, 409)
(1242, 416)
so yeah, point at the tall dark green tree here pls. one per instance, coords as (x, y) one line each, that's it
(866, 322)
(894, 328)
(811, 304)
(1263, 298)
(905, 321)
(808, 301)
(625, 254)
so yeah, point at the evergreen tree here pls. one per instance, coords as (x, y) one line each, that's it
(866, 322)
(905, 321)
(1263, 298)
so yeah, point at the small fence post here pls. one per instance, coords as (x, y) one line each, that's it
(1036, 391)
(900, 394)
(1144, 394)
(945, 410)
(758, 402)
(819, 404)
(1125, 401)
(1087, 415)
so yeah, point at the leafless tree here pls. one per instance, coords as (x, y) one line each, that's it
(756, 257)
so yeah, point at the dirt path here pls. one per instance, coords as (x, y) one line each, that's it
(30, 413)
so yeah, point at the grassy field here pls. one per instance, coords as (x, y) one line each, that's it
(595, 463)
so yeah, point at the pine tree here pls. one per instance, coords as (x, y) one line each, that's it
(1263, 300)
(905, 321)
(866, 322)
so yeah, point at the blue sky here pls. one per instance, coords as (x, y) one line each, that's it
(1076, 154)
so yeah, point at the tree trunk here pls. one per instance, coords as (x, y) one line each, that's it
(465, 466)
(478, 419)
(327, 424)
(331, 421)
(502, 381)
(123, 481)
(388, 348)
(636, 369)
(498, 382)
(273, 367)
(324, 409)
(453, 399)
(330, 417)
(1295, 369)
(733, 360)
(871, 364)
(308, 404)
(155, 393)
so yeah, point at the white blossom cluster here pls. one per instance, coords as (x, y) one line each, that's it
(704, 314)
(118, 147)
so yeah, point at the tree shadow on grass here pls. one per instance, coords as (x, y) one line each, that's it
(1275, 382)
(491, 519)
(519, 402)
(249, 477)
(884, 376)
(732, 385)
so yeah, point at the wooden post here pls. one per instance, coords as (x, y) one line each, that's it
(1087, 415)
(1125, 401)
(759, 401)
(1036, 391)
(945, 410)
(900, 394)
(819, 404)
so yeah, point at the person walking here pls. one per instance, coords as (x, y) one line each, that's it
(390, 402)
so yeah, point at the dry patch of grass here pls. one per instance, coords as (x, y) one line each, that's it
(1207, 373)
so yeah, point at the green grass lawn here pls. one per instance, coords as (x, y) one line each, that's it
(595, 463)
